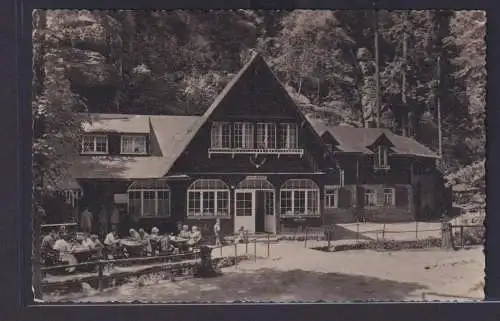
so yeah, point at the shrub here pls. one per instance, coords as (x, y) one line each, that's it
(472, 235)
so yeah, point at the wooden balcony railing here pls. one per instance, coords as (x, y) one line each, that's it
(257, 151)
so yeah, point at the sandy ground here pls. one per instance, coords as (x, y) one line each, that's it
(295, 273)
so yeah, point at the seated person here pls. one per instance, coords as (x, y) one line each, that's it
(165, 245)
(95, 241)
(134, 235)
(184, 233)
(195, 236)
(87, 242)
(48, 254)
(241, 237)
(62, 244)
(96, 245)
(144, 237)
(111, 238)
(111, 242)
(154, 239)
(48, 241)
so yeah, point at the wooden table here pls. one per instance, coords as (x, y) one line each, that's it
(134, 247)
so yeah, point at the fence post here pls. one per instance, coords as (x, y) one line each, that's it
(255, 249)
(100, 274)
(446, 235)
(268, 245)
(329, 237)
(305, 237)
(220, 245)
(383, 233)
(357, 231)
(246, 243)
(462, 236)
(235, 254)
(416, 230)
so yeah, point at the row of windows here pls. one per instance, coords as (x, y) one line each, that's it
(98, 144)
(241, 135)
(370, 197)
(210, 197)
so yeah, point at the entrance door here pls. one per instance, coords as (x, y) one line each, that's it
(269, 217)
(244, 204)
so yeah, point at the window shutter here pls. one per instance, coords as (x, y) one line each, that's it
(344, 198)
(401, 195)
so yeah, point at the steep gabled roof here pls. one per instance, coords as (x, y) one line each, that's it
(357, 140)
(255, 59)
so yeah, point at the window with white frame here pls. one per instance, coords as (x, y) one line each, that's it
(232, 135)
(299, 197)
(243, 135)
(94, 144)
(389, 197)
(208, 197)
(370, 197)
(266, 135)
(288, 136)
(331, 196)
(221, 135)
(243, 206)
(381, 158)
(133, 144)
(149, 198)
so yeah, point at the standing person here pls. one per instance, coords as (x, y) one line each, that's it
(86, 220)
(217, 233)
(103, 220)
(115, 218)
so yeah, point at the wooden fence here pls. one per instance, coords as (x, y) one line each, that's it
(100, 265)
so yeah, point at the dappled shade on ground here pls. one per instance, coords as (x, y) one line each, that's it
(261, 285)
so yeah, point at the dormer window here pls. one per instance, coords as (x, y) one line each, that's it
(133, 144)
(94, 144)
(381, 159)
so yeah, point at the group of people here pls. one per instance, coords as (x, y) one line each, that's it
(106, 217)
(58, 246)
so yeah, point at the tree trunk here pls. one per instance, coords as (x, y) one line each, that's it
(39, 26)
(377, 69)
(404, 116)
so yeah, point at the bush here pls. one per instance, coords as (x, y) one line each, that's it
(391, 245)
(472, 235)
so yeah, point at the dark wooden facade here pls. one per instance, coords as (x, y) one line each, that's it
(255, 96)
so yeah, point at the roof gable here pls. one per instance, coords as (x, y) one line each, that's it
(256, 64)
(382, 139)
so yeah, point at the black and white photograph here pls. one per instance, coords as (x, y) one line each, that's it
(218, 156)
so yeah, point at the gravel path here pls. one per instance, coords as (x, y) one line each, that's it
(295, 273)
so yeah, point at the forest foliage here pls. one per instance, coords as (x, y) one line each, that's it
(176, 62)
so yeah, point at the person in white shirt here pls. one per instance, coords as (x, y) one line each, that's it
(87, 241)
(61, 245)
(111, 238)
(217, 233)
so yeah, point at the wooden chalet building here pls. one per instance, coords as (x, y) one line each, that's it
(252, 160)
